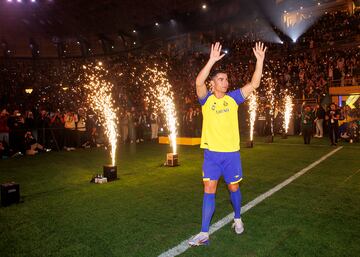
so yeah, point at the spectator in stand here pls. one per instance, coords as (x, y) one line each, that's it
(297, 67)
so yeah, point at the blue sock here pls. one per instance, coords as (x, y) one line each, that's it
(207, 211)
(236, 202)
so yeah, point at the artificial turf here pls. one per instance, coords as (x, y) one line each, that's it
(153, 208)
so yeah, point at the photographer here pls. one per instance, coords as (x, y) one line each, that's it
(124, 123)
(57, 126)
(154, 121)
(4, 129)
(307, 121)
(31, 145)
(4, 150)
(141, 126)
(81, 134)
(30, 123)
(70, 119)
(92, 132)
(320, 114)
(132, 125)
(43, 122)
(354, 132)
(16, 124)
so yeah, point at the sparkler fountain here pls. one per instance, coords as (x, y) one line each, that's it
(287, 114)
(101, 102)
(252, 111)
(270, 96)
(161, 98)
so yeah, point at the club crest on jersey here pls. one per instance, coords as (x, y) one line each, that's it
(213, 106)
(225, 103)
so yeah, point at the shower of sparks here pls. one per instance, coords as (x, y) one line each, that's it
(270, 96)
(101, 102)
(161, 98)
(288, 112)
(253, 105)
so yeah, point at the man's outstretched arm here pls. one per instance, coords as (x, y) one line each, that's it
(259, 52)
(215, 55)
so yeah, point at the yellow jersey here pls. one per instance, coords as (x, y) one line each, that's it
(220, 130)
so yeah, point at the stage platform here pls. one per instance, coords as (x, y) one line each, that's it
(181, 140)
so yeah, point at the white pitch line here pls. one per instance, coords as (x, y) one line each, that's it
(289, 144)
(295, 144)
(184, 245)
(349, 177)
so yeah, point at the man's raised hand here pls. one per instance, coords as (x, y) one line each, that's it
(259, 51)
(215, 53)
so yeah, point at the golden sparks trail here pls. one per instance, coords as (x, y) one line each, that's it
(288, 112)
(101, 102)
(161, 99)
(270, 96)
(253, 105)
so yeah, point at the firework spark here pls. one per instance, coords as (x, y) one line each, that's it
(270, 96)
(252, 111)
(288, 112)
(161, 98)
(101, 102)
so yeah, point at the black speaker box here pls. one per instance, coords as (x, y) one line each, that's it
(10, 193)
(172, 159)
(110, 172)
(249, 144)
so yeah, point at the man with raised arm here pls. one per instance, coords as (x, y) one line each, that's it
(220, 136)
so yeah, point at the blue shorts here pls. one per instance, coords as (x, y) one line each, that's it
(217, 164)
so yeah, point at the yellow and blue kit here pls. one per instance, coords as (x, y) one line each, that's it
(220, 137)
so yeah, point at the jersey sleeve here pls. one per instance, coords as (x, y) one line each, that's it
(202, 101)
(237, 96)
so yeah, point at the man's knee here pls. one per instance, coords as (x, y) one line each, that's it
(210, 186)
(233, 187)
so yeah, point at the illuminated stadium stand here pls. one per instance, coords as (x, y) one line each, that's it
(340, 94)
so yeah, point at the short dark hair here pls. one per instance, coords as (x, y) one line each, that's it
(216, 72)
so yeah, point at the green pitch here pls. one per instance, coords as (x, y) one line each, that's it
(152, 208)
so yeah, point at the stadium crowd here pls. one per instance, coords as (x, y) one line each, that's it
(54, 113)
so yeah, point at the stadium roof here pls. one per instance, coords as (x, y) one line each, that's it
(55, 27)
(52, 20)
